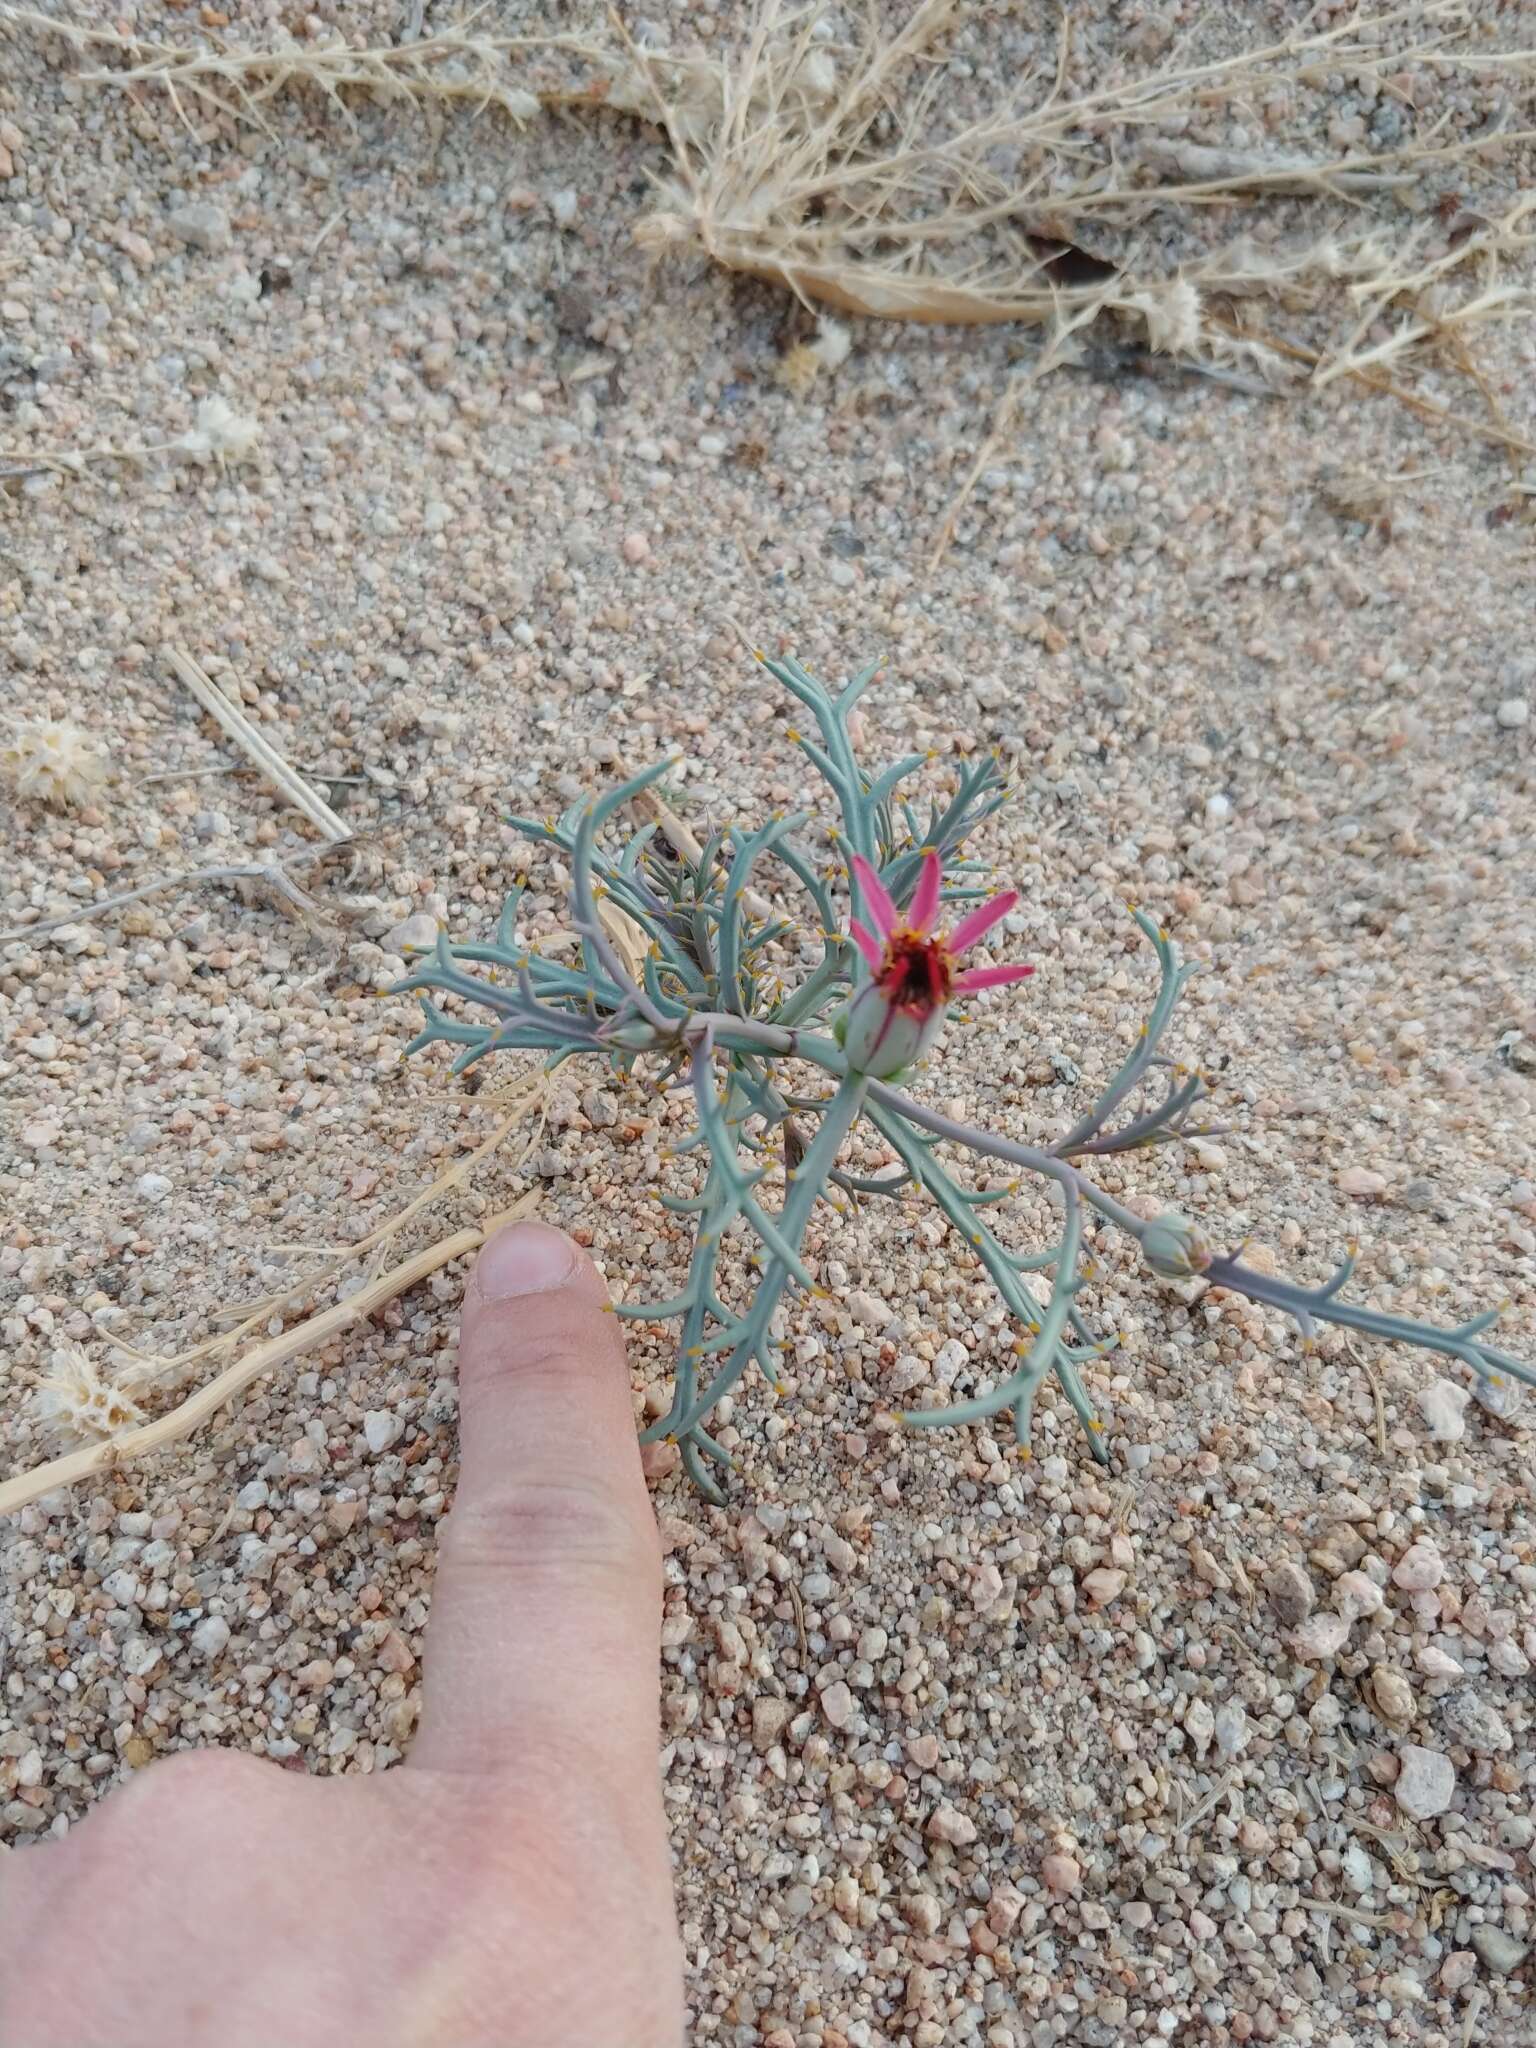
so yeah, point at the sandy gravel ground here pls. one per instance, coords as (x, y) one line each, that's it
(959, 1751)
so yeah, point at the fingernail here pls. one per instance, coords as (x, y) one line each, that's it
(526, 1258)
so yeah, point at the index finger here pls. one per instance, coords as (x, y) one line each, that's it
(546, 1613)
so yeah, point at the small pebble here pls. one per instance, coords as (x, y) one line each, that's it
(381, 1428)
(949, 1824)
(1501, 1952)
(1435, 1663)
(1104, 1584)
(837, 1704)
(211, 1637)
(1320, 1638)
(1426, 1783)
(1419, 1568)
(1291, 1593)
(202, 226)
(1513, 713)
(770, 1717)
(416, 934)
(1356, 1595)
(1392, 1695)
(1443, 1407)
(1062, 1874)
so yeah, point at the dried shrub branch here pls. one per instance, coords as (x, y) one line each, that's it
(829, 170)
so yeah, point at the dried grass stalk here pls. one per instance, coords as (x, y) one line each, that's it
(240, 729)
(198, 1408)
(379, 1287)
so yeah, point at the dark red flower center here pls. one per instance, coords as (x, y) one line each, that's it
(916, 974)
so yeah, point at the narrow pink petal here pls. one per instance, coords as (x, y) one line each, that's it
(866, 943)
(925, 898)
(881, 909)
(978, 922)
(988, 977)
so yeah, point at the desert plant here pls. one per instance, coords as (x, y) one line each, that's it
(684, 965)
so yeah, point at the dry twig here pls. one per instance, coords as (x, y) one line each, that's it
(207, 1401)
(261, 750)
(268, 873)
(380, 1286)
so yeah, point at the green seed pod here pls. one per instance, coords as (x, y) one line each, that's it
(882, 1038)
(1174, 1247)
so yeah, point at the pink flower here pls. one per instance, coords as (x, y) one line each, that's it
(897, 1015)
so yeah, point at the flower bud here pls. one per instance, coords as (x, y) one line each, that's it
(1174, 1247)
(882, 1038)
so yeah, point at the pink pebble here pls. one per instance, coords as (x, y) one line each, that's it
(1418, 1569)
(636, 547)
(1061, 1873)
(659, 1460)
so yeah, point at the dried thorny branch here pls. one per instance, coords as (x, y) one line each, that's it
(788, 1034)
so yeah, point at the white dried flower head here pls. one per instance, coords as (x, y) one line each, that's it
(1171, 315)
(220, 434)
(75, 1401)
(827, 349)
(831, 344)
(54, 763)
(817, 75)
(519, 106)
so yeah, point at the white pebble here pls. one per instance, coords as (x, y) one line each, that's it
(152, 1187)
(381, 1428)
(1321, 1637)
(1356, 1595)
(1513, 713)
(202, 226)
(1442, 1404)
(1426, 1784)
(1417, 1569)
(1232, 1729)
(1435, 1662)
(211, 1637)
(837, 1704)
(1103, 1585)
(870, 1310)
(949, 1824)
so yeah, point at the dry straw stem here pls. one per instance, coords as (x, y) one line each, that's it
(823, 167)
(378, 1288)
(269, 874)
(456, 64)
(260, 749)
(197, 1409)
(1426, 289)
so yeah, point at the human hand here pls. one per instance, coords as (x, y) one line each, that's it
(509, 1886)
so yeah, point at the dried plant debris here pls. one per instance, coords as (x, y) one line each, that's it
(49, 761)
(830, 167)
(76, 1402)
